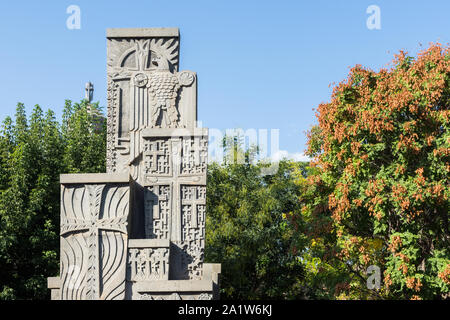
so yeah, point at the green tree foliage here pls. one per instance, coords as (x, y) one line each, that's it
(84, 135)
(33, 152)
(378, 193)
(247, 229)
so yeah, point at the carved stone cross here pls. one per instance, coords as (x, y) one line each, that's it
(176, 181)
(153, 155)
(93, 224)
(91, 219)
(89, 91)
(194, 200)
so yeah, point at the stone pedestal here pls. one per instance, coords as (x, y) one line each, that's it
(138, 231)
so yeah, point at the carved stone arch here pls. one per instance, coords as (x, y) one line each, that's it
(126, 57)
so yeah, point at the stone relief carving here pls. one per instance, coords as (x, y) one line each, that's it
(157, 212)
(182, 175)
(125, 54)
(156, 180)
(194, 155)
(205, 296)
(148, 264)
(193, 202)
(189, 261)
(164, 88)
(111, 148)
(157, 157)
(93, 217)
(143, 91)
(173, 296)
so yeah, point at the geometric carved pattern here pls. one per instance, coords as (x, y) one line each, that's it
(133, 54)
(175, 296)
(193, 201)
(156, 157)
(194, 155)
(148, 264)
(157, 211)
(191, 248)
(187, 260)
(205, 296)
(111, 152)
(175, 199)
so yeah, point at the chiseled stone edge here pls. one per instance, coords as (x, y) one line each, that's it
(148, 243)
(53, 282)
(174, 132)
(174, 286)
(212, 271)
(94, 178)
(142, 32)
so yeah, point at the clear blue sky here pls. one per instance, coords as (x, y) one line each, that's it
(261, 64)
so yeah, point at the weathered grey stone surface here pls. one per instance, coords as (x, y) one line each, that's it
(138, 231)
(145, 90)
(94, 237)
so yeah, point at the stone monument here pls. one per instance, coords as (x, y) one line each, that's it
(89, 88)
(138, 231)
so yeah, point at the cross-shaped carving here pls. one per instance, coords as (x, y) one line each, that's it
(92, 224)
(154, 196)
(195, 152)
(158, 233)
(132, 262)
(176, 180)
(89, 91)
(154, 153)
(148, 263)
(194, 199)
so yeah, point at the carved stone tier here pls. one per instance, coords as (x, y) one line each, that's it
(94, 237)
(148, 259)
(148, 275)
(205, 289)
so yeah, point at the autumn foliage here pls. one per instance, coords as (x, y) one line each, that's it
(379, 192)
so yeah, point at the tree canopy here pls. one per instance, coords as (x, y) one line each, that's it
(247, 229)
(33, 152)
(378, 192)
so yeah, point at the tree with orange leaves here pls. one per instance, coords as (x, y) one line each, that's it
(378, 190)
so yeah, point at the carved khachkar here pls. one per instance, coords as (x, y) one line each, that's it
(94, 217)
(175, 195)
(138, 231)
